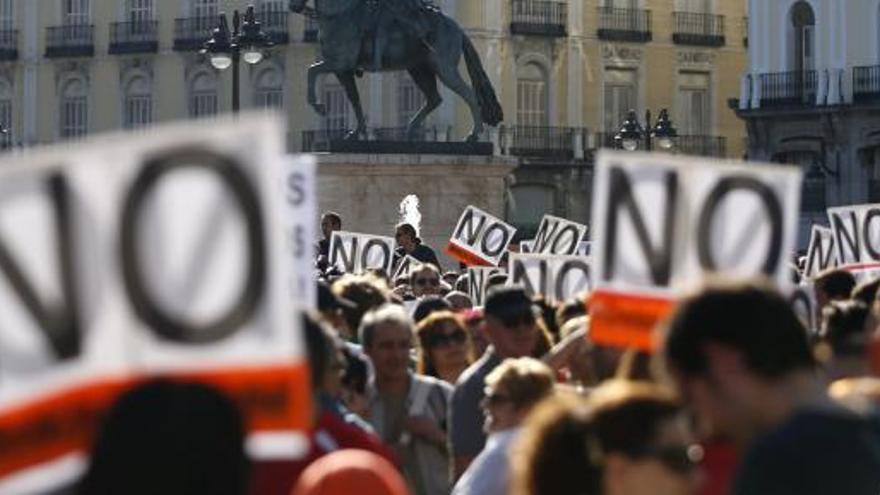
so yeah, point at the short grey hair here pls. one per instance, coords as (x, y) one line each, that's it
(387, 313)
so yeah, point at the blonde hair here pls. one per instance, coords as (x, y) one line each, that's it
(525, 381)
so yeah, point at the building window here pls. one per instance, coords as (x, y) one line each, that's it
(6, 114)
(621, 93)
(803, 21)
(531, 96)
(694, 104)
(138, 111)
(269, 92)
(7, 15)
(409, 99)
(76, 12)
(203, 9)
(694, 6)
(140, 11)
(527, 206)
(203, 96)
(337, 117)
(74, 111)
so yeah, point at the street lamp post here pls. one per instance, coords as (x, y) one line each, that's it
(226, 50)
(631, 132)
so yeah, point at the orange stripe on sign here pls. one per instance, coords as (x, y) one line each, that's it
(271, 399)
(625, 320)
(465, 257)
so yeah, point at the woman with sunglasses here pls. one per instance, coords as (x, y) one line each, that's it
(444, 347)
(628, 438)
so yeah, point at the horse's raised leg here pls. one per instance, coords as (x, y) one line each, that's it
(351, 90)
(449, 75)
(426, 79)
(314, 71)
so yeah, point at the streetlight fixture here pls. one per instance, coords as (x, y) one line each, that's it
(246, 41)
(631, 132)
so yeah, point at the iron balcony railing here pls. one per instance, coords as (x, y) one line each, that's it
(698, 29)
(866, 84)
(783, 89)
(540, 18)
(134, 37)
(274, 24)
(624, 24)
(319, 140)
(541, 141)
(192, 32)
(712, 146)
(310, 33)
(74, 40)
(8, 44)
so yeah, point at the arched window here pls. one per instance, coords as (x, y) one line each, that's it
(203, 95)
(528, 204)
(803, 22)
(6, 113)
(531, 95)
(74, 110)
(269, 89)
(138, 103)
(409, 99)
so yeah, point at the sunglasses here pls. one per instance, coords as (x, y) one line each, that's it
(458, 337)
(421, 282)
(681, 459)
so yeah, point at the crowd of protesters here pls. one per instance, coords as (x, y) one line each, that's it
(417, 391)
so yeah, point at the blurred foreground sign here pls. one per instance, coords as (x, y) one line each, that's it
(662, 223)
(130, 257)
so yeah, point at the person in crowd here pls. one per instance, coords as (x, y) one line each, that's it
(450, 277)
(627, 438)
(584, 361)
(866, 292)
(569, 310)
(365, 291)
(844, 339)
(429, 305)
(350, 471)
(409, 411)
(330, 222)
(511, 327)
(512, 390)
(354, 382)
(424, 279)
(459, 301)
(333, 309)
(408, 243)
(548, 317)
(496, 280)
(169, 438)
(740, 356)
(444, 347)
(461, 284)
(473, 323)
(834, 284)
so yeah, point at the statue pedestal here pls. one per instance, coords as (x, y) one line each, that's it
(366, 189)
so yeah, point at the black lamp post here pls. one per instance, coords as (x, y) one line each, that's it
(631, 132)
(246, 41)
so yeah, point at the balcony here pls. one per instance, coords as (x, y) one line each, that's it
(698, 29)
(274, 24)
(624, 24)
(866, 84)
(527, 141)
(788, 89)
(75, 40)
(310, 33)
(9, 44)
(538, 18)
(710, 146)
(134, 37)
(191, 33)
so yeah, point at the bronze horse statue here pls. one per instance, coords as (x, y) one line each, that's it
(350, 31)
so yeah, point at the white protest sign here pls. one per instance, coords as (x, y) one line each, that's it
(404, 267)
(479, 238)
(126, 257)
(583, 247)
(558, 236)
(821, 253)
(357, 253)
(663, 222)
(856, 231)
(477, 278)
(300, 219)
(556, 277)
(527, 246)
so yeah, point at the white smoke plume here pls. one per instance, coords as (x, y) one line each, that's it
(409, 212)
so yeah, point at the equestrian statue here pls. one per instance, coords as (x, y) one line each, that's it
(358, 36)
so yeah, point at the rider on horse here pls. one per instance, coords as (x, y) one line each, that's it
(410, 14)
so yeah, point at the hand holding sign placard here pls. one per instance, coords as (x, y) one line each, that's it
(662, 223)
(358, 253)
(125, 258)
(479, 238)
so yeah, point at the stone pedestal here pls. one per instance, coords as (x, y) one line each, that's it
(367, 190)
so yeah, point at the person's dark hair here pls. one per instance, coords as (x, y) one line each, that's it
(321, 343)
(334, 217)
(356, 371)
(866, 292)
(496, 279)
(169, 438)
(570, 310)
(548, 316)
(367, 292)
(565, 441)
(428, 305)
(843, 327)
(409, 230)
(426, 329)
(749, 317)
(461, 285)
(835, 283)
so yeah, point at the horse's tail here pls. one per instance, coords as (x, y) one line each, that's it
(490, 108)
